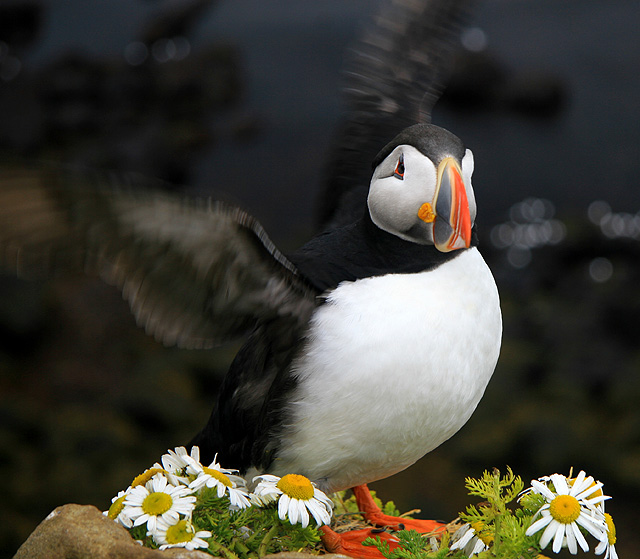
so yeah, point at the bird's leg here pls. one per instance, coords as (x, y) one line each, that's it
(373, 514)
(350, 543)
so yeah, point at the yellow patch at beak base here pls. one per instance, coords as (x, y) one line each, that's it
(426, 213)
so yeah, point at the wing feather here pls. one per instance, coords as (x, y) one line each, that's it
(195, 273)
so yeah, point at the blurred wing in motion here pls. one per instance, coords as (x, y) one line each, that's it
(394, 76)
(195, 273)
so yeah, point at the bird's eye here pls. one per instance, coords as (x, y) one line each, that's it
(399, 172)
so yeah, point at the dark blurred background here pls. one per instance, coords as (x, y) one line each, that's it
(239, 99)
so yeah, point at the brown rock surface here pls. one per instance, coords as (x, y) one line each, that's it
(83, 532)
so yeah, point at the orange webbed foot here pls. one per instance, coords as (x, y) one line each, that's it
(373, 514)
(350, 543)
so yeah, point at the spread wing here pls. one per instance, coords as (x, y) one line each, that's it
(195, 273)
(394, 75)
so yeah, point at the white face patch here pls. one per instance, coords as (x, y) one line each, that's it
(394, 202)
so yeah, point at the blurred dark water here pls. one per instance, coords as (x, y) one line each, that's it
(87, 400)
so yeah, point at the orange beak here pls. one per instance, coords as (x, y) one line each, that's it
(452, 219)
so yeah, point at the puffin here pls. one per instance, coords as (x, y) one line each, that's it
(364, 349)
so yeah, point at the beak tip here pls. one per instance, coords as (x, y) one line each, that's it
(457, 232)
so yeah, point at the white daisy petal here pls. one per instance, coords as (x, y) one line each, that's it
(294, 511)
(560, 484)
(319, 512)
(195, 453)
(283, 507)
(548, 533)
(238, 498)
(597, 502)
(538, 525)
(268, 478)
(266, 490)
(466, 539)
(579, 483)
(570, 538)
(542, 489)
(558, 539)
(304, 513)
(580, 538)
(322, 497)
(478, 548)
(583, 484)
(590, 491)
(591, 525)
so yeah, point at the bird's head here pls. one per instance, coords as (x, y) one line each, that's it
(421, 188)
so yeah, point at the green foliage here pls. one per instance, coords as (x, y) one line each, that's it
(412, 545)
(493, 520)
(251, 532)
(495, 527)
(499, 527)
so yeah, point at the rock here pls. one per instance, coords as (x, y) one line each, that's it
(83, 532)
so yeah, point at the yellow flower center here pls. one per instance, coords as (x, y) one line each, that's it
(296, 486)
(157, 503)
(217, 474)
(611, 528)
(116, 508)
(485, 537)
(180, 532)
(565, 509)
(146, 476)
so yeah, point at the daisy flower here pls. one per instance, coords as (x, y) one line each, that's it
(156, 501)
(178, 462)
(570, 505)
(144, 477)
(222, 480)
(180, 534)
(467, 539)
(608, 541)
(296, 496)
(116, 510)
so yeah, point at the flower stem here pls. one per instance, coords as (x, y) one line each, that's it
(262, 549)
(221, 549)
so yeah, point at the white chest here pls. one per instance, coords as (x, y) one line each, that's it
(394, 366)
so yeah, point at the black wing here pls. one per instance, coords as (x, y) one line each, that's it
(394, 76)
(195, 273)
